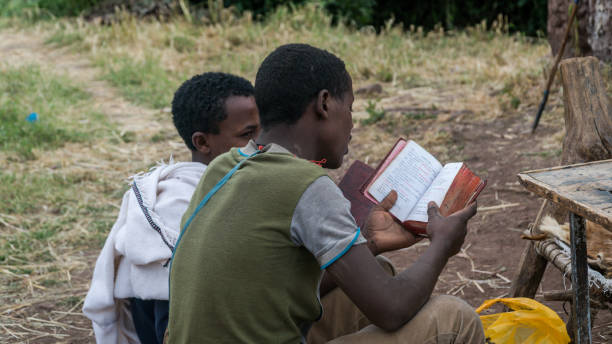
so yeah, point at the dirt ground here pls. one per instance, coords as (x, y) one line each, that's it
(496, 148)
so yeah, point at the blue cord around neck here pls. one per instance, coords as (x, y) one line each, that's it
(203, 202)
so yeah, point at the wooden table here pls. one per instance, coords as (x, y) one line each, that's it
(586, 191)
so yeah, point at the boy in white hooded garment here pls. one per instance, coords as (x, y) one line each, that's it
(128, 298)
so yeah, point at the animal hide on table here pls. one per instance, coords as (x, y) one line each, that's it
(599, 242)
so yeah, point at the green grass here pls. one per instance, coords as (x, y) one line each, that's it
(62, 38)
(27, 89)
(21, 8)
(374, 114)
(26, 198)
(419, 115)
(29, 194)
(181, 43)
(44, 9)
(5, 22)
(142, 82)
(45, 209)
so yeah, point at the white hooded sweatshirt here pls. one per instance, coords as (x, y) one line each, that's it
(133, 261)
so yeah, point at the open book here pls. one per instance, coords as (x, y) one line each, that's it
(418, 178)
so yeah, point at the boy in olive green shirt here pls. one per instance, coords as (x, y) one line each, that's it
(267, 233)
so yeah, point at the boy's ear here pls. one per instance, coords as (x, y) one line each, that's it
(322, 103)
(200, 142)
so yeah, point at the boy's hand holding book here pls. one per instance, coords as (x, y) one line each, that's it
(416, 178)
(384, 233)
(448, 232)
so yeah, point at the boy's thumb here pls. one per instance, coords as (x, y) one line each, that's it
(432, 210)
(469, 211)
(389, 201)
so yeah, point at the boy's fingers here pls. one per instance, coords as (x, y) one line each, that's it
(432, 210)
(469, 211)
(388, 202)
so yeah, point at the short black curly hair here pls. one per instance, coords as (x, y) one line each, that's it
(199, 103)
(291, 77)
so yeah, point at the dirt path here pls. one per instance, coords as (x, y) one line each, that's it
(19, 48)
(27, 48)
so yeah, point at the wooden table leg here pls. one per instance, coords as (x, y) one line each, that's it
(529, 275)
(531, 266)
(580, 281)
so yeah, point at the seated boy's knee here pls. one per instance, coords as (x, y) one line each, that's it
(454, 320)
(449, 307)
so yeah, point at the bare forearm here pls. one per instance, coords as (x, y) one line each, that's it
(409, 291)
(327, 282)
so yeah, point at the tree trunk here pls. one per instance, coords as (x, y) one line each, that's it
(588, 112)
(600, 34)
(588, 117)
(594, 28)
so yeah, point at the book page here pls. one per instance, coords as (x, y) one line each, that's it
(399, 146)
(436, 191)
(410, 174)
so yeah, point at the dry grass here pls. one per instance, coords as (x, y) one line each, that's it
(477, 61)
(66, 200)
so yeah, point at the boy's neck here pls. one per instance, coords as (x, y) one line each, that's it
(199, 157)
(290, 137)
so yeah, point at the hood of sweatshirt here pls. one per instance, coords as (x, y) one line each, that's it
(157, 201)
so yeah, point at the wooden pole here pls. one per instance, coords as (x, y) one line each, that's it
(553, 72)
(580, 281)
(531, 265)
(529, 275)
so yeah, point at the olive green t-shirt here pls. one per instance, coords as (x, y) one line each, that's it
(249, 263)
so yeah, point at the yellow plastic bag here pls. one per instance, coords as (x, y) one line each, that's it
(530, 322)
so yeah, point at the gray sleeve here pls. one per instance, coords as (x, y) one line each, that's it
(323, 224)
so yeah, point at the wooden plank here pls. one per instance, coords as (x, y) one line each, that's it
(564, 167)
(584, 189)
(580, 281)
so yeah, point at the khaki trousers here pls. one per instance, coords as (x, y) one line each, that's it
(443, 319)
